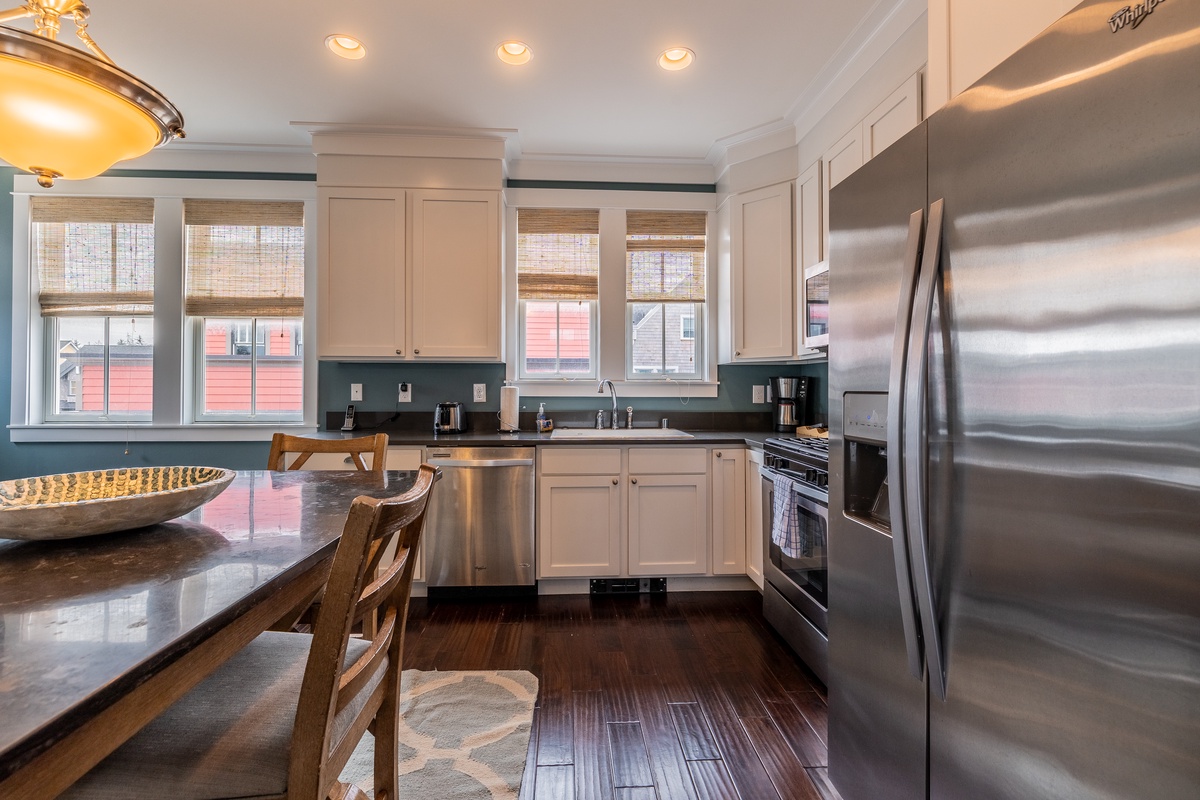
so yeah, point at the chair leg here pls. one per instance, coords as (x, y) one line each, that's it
(386, 730)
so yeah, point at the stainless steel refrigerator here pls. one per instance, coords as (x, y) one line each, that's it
(1014, 547)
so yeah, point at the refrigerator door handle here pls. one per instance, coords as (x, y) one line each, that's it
(916, 450)
(895, 444)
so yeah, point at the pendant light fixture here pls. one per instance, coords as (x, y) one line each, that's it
(66, 113)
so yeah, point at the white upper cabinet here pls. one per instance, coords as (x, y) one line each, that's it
(810, 240)
(425, 285)
(361, 301)
(967, 38)
(891, 119)
(455, 272)
(762, 275)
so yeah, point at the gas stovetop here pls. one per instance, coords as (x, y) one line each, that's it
(803, 458)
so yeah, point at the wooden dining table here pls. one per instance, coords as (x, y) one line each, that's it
(98, 635)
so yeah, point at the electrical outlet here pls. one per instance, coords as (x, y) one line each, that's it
(405, 393)
(760, 394)
(356, 393)
(480, 393)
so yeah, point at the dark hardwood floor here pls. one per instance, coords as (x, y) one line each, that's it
(680, 695)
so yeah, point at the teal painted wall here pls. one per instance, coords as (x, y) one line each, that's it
(432, 383)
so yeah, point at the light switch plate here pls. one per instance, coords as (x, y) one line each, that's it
(480, 393)
(405, 394)
(356, 393)
(759, 393)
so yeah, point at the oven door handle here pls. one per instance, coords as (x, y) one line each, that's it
(916, 495)
(897, 386)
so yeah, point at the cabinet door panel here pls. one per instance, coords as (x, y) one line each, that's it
(668, 524)
(361, 266)
(894, 117)
(755, 536)
(809, 235)
(762, 274)
(729, 512)
(578, 526)
(456, 274)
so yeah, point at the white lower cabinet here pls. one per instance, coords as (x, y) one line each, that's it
(754, 517)
(729, 511)
(616, 511)
(668, 530)
(580, 519)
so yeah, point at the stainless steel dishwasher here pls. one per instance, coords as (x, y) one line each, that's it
(480, 526)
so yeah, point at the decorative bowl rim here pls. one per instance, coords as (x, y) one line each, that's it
(222, 475)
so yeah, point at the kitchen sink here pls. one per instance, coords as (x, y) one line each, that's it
(620, 433)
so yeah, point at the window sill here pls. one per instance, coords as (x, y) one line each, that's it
(586, 387)
(141, 432)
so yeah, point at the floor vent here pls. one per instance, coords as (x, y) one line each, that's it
(627, 585)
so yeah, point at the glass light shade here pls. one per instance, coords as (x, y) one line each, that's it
(64, 113)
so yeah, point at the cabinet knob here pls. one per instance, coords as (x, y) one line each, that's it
(718, 454)
(614, 481)
(737, 352)
(634, 480)
(399, 352)
(416, 352)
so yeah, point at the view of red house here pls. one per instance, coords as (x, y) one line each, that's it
(227, 372)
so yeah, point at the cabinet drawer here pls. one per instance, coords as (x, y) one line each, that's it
(667, 460)
(580, 460)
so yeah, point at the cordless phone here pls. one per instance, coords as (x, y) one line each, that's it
(348, 424)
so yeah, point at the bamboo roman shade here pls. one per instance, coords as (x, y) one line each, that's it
(664, 256)
(245, 258)
(558, 254)
(95, 255)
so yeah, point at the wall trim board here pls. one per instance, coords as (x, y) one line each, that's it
(620, 186)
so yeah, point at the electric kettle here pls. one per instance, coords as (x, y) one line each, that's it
(449, 418)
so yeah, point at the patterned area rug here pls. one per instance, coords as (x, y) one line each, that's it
(463, 736)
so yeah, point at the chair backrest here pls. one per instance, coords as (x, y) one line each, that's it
(282, 444)
(338, 702)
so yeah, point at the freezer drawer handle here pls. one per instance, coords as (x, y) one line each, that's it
(895, 441)
(916, 497)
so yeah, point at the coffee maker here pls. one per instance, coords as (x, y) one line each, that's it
(791, 402)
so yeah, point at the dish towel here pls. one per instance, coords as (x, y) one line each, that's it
(786, 531)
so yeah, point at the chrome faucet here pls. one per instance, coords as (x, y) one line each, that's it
(613, 391)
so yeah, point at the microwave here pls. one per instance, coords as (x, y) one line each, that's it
(814, 324)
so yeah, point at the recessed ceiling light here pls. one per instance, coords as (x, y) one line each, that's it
(676, 58)
(345, 46)
(514, 52)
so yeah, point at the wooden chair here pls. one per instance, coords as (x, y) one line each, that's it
(281, 718)
(283, 444)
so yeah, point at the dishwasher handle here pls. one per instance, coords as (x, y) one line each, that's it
(481, 462)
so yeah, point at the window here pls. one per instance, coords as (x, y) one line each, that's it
(558, 272)
(94, 258)
(664, 292)
(148, 308)
(245, 291)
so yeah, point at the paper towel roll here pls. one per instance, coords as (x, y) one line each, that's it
(510, 405)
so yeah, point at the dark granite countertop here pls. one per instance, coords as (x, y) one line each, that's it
(84, 620)
(416, 429)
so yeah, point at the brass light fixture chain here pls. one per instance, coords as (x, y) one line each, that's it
(80, 16)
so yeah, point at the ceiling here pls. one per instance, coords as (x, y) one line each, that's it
(241, 71)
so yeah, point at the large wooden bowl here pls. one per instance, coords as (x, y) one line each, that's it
(88, 503)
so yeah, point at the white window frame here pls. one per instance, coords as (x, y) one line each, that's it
(50, 375)
(173, 416)
(593, 349)
(630, 375)
(611, 342)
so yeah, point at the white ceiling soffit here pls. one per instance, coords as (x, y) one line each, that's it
(241, 72)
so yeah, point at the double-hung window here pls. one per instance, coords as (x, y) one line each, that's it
(94, 259)
(558, 269)
(664, 293)
(245, 293)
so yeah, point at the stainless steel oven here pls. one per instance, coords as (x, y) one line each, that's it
(795, 545)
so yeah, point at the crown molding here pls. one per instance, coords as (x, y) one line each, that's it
(883, 27)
